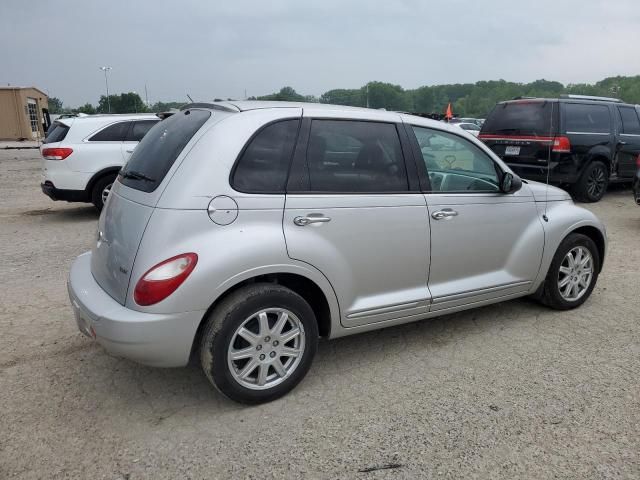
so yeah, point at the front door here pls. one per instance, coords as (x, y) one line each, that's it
(628, 145)
(484, 244)
(356, 219)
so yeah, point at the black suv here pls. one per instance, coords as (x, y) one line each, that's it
(586, 141)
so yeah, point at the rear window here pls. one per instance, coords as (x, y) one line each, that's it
(155, 154)
(585, 118)
(56, 133)
(521, 118)
(113, 133)
(264, 164)
(630, 122)
(139, 129)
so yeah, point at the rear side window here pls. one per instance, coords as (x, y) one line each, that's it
(56, 133)
(155, 154)
(139, 129)
(113, 133)
(521, 118)
(354, 156)
(585, 118)
(264, 164)
(630, 122)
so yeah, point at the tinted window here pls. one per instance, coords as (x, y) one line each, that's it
(630, 123)
(139, 129)
(469, 126)
(586, 118)
(155, 154)
(56, 133)
(455, 164)
(521, 118)
(351, 156)
(113, 133)
(264, 164)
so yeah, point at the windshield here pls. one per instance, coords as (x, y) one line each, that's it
(155, 154)
(521, 118)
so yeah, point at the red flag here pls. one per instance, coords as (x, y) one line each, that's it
(449, 114)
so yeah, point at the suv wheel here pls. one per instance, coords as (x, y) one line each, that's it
(258, 344)
(593, 182)
(573, 273)
(101, 190)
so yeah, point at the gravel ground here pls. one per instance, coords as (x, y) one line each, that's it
(508, 391)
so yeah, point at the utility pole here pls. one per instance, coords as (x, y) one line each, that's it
(367, 95)
(106, 82)
(146, 95)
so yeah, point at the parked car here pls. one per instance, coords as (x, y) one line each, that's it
(243, 232)
(587, 142)
(472, 128)
(83, 154)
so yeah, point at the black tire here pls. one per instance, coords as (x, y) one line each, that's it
(593, 182)
(227, 317)
(549, 294)
(98, 188)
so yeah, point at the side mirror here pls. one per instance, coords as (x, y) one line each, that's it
(510, 183)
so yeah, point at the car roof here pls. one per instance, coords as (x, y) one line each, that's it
(575, 99)
(103, 119)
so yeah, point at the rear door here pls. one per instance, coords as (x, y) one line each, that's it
(485, 244)
(628, 144)
(354, 214)
(138, 129)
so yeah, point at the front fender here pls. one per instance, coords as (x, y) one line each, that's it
(564, 217)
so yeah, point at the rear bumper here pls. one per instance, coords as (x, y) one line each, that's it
(159, 340)
(54, 193)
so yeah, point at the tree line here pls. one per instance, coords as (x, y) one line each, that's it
(467, 99)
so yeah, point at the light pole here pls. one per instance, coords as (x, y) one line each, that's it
(106, 82)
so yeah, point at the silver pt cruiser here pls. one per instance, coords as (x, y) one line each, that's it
(242, 232)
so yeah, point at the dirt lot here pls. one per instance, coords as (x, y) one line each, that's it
(508, 391)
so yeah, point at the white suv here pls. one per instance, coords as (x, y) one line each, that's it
(82, 155)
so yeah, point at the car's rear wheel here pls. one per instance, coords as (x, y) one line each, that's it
(592, 183)
(573, 273)
(101, 190)
(258, 344)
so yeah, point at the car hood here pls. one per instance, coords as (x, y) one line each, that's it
(543, 192)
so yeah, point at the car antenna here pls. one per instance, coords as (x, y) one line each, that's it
(189, 97)
(546, 190)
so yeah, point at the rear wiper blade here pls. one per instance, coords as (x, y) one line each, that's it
(136, 176)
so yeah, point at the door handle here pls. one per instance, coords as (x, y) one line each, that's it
(444, 213)
(304, 221)
(129, 151)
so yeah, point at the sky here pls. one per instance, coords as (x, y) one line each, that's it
(209, 48)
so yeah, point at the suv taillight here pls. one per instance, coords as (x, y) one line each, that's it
(56, 153)
(561, 145)
(163, 279)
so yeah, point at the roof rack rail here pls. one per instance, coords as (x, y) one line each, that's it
(212, 106)
(591, 97)
(522, 97)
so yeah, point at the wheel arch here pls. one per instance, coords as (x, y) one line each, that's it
(323, 302)
(100, 174)
(598, 238)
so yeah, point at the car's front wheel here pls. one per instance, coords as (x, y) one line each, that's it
(573, 273)
(258, 343)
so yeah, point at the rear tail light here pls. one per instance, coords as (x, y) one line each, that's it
(56, 153)
(638, 161)
(162, 280)
(561, 145)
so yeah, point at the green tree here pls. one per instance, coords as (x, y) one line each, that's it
(55, 105)
(86, 108)
(286, 94)
(124, 103)
(165, 106)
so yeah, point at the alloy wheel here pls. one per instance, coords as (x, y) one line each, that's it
(266, 348)
(596, 182)
(575, 274)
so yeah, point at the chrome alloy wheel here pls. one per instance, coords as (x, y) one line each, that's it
(266, 348)
(105, 193)
(596, 182)
(576, 273)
